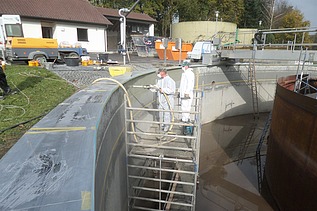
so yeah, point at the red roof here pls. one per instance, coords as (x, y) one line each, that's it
(66, 10)
(132, 16)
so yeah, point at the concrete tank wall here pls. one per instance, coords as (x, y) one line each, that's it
(205, 30)
(227, 91)
(202, 30)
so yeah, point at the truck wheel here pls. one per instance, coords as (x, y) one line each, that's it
(73, 55)
(41, 59)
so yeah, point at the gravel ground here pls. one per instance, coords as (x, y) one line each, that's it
(83, 76)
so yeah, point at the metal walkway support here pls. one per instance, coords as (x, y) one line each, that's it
(162, 167)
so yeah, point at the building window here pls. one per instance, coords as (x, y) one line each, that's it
(47, 32)
(14, 30)
(82, 34)
(134, 29)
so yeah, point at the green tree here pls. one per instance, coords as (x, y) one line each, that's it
(282, 8)
(161, 10)
(313, 38)
(231, 10)
(194, 10)
(293, 19)
(252, 14)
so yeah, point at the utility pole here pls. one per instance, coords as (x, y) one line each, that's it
(217, 14)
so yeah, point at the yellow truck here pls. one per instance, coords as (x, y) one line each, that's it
(40, 49)
(15, 47)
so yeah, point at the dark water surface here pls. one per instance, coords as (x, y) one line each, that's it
(228, 170)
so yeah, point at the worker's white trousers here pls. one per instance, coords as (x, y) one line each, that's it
(186, 106)
(166, 116)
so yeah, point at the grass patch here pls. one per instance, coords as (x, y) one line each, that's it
(38, 91)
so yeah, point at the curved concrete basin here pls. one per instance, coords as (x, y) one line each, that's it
(74, 158)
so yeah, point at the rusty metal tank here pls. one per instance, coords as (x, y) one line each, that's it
(291, 164)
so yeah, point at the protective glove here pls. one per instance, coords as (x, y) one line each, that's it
(154, 87)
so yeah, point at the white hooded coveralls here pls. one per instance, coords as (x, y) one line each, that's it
(187, 87)
(167, 84)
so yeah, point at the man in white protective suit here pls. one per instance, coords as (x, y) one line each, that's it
(186, 90)
(166, 89)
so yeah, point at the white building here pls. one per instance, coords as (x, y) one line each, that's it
(71, 22)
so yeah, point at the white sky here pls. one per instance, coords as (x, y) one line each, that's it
(308, 8)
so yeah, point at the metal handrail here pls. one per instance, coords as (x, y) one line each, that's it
(307, 84)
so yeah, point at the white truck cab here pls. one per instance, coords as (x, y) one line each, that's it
(10, 26)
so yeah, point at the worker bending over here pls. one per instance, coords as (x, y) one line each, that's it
(166, 89)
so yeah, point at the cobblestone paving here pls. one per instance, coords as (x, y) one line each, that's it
(83, 76)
